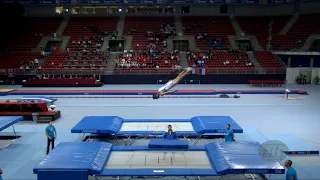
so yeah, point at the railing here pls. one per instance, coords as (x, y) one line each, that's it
(61, 71)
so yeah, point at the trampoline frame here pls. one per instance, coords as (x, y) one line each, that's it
(129, 140)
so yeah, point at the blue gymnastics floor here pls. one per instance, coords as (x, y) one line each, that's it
(260, 115)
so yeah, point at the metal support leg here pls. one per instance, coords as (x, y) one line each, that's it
(14, 132)
(133, 140)
(185, 137)
(198, 138)
(117, 139)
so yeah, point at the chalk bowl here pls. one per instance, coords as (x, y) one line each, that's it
(273, 151)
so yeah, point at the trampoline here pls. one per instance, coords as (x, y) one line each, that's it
(132, 129)
(77, 160)
(6, 121)
(47, 100)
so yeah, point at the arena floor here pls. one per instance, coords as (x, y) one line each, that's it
(267, 114)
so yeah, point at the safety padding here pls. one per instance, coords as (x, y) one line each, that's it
(98, 124)
(163, 143)
(240, 158)
(159, 172)
(6, 121)
(214, 124)
(77, 157)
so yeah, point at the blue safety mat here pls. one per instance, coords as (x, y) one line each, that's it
(159, 172)
(296, 146)
(76, 156)
(6, 121)
(98, 124)
(240, 158)
(112, 125)
(146, 148)
(76, 159)
(163, 143)
(214, 124)
(117, 92)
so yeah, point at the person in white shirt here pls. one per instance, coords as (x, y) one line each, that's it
(165, 89)
(36, 62)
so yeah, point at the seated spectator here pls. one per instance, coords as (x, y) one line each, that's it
(249, 64)
(31, 64)
(226, 62)
(170, 134)
(36, 62)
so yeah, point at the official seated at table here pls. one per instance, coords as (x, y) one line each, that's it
(170, 134)
(229, 135)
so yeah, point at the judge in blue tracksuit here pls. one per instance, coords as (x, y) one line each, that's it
(291, 172)
(170, 134)
(229, 135)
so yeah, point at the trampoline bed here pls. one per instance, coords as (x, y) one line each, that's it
(77, 160)
(157, 159)
(153, 127)
(118, 127)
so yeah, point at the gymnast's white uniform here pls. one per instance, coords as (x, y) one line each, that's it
(167, 86)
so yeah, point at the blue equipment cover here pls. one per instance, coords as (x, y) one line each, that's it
(112, 125)
(98, 124)
(76, 156)
(240, 158)
(163, 143)
(75, 159)
(6, 121)
(214, 124)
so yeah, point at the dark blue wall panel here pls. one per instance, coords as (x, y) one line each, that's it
(284, 59)
(316, 61)
(300, 61)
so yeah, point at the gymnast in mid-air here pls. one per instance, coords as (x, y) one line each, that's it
(165, 89)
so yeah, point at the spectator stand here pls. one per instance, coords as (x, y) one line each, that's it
(149, 30)
(219, 61)
(209, 32)
(152, 60)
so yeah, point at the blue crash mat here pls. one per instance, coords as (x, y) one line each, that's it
(163, 143)
(113, 124)
(76, 156)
